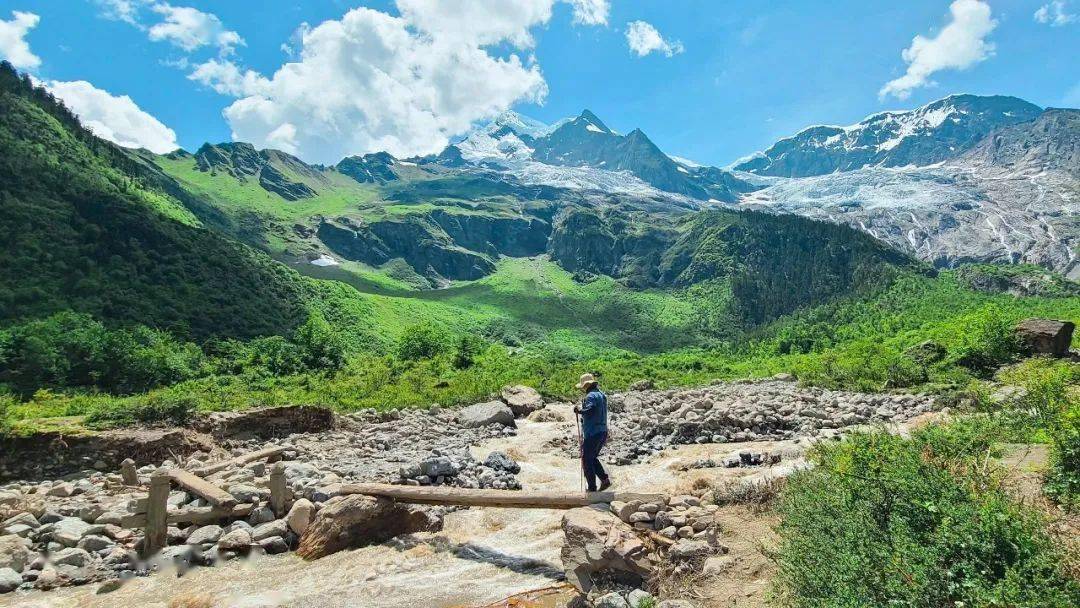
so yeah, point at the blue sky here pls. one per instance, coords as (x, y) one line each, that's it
(721, 81)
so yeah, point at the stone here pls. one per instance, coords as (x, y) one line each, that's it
(205, 535)
(483, 414)
(237, 540)
(61, 490)
(597, 543)
(299, 516)
(247, 494)
(640, 516)
(611, 600)
(503, 462)
(523, 400)
(359, 520)
(640, 599)
(718, 564)
(692, 551)
(261, 515)
(14, 553)
(274, 545)
(109, 586)
(70, 530)
(9, 580)
(25, 519)
(72, 557)
(271, 529)
(94, 543)
(1045, 336)
(675, 604)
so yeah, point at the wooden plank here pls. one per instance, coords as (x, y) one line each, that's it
(156, 515)
(202, 488)
(192, 515)
(278, 489)
(441, 495)
(243, 459)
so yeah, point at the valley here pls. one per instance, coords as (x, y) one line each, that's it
(895, 298)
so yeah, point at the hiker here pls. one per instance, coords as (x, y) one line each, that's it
(593, 412)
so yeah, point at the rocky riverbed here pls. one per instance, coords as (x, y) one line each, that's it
(67, 531)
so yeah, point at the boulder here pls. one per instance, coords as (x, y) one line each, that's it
(611, 600)
(358, 520)
(523, 400)
(70, 530)
(9, 580)
(14, 553)
(503, 462)
(237, 540)
(483, 414)
(205, 535)
(1045, 336)
(72, 557)
(271, 529)
(598, 542)
(300, 516)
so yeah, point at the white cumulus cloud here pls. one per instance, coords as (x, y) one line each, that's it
(1055, 14)
(591, 12)
(959, 45)
(121, 10)
(228, 78)
(115, 118)
(371, 81)
(190, 29)
(643, 39)
(13, 45)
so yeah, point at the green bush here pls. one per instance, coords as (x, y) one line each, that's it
(886, 521)
(466, 351)
(159, 407)
(320, 347)
(422, 341)
(987, 341)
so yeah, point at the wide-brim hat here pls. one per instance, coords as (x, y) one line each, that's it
(586, 380)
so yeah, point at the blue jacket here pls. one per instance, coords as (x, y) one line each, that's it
(594, 413)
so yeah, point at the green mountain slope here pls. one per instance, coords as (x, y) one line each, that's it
(83, 234)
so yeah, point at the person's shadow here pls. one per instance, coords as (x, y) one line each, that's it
(478, 553)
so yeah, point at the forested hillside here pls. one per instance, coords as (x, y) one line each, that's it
(82, 234)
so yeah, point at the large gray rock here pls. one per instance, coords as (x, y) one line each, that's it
(237, 540)
(14, 553)
(205, 535)
(599, 542)
(1045, 336)
(72, 557)
(9, 580)
(70, 530)
(483, 414)
(271, 529)
(300, 515)
(523, 400)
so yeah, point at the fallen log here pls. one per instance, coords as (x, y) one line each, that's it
(202, 488)
(242, 460)
(192, 515)
(515, 499)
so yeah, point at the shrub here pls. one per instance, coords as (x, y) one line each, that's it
(467, 350)
(987, 339)
(319, 346)
(886, 521)
(422, 341)
(167, 406)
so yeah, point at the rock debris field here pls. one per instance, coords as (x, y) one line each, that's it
(71, 531)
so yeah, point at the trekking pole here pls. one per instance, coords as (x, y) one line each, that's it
(581, 454)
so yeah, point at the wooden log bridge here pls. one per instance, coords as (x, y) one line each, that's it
(513, 499)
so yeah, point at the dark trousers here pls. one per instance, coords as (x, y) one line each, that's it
(590, 459)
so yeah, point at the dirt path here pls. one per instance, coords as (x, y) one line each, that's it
(481, 557)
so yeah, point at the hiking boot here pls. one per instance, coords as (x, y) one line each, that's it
(604, 484)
